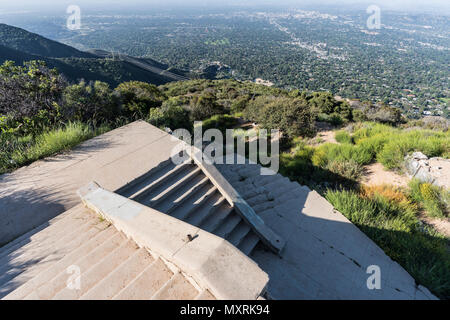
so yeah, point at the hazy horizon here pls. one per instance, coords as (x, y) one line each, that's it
(8, 6)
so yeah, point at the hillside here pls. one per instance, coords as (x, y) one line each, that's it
(28, 42)
(20, 45)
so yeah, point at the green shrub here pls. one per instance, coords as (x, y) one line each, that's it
(173, 117)
(138, 98)
(290, 115)
(434, 200)
(53, 142)
(221, 122)
(345, 152)
(204, 106)
(239, 104)
(390, 145)
(334, 118)
(348, 169)
(89, 102)
(343, 136)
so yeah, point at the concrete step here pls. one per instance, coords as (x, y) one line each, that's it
(183, 194)
(48, 289)
(278, 188)
(194, 203)
(62, 265)
(154, 184)
(260, 198)
(120, 277)
(45, 232)
(197, 214)
(249, 170)
(140, 183)
(169, 188)
(205, 295)
(177, 288)
(239, 233)
(39, 257)
(248, 193)
(98, 271)
(259, 180)
(227, 226)
(147, 283)
(249, 243)
(217, 216)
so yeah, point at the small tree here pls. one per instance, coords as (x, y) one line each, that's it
(30, 95)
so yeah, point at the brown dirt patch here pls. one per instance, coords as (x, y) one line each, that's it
(377, 175)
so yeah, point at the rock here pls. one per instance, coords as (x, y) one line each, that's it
(434, 170)
(419, 156)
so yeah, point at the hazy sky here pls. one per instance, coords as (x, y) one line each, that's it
(403, 5)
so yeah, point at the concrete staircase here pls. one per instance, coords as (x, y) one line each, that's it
(40, 266)
(186, 193)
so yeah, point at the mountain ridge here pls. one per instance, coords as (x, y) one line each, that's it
(20, 45)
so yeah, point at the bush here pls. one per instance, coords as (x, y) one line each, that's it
(49, 143)
(30, 95)
(204, 106)
(345, 152)
(239, 104)
(434, 200)
(138, 98)
(430, 143)
(221, 122)
(343, 136)
(329, 109)
(348, 169)
(379, 113)
(89, 102)
(290, 115)
(173, 117)
(390, 145)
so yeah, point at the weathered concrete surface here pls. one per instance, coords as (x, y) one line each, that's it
(211, 261)
(326, 256)
(33, 195)
(111, 265)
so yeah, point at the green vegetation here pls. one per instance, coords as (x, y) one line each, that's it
(389, 218)
(20, 46)
(19, 151)
(41, 114)
(220, 122)
(343, 136)
(434, 200)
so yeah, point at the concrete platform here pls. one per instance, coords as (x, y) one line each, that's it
(32, 195)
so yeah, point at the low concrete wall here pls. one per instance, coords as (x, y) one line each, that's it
(211, 261)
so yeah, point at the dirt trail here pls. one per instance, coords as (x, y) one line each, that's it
(377, 175)
(327, 136)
